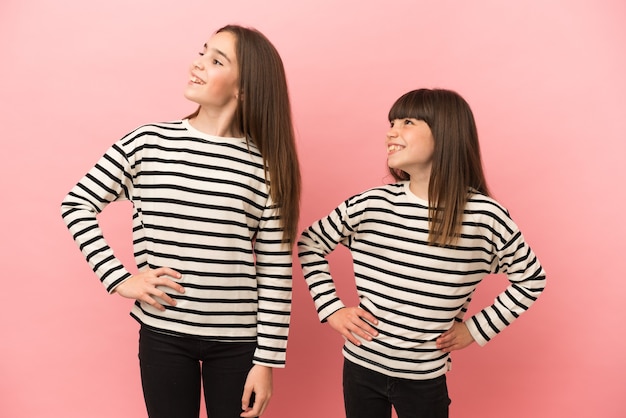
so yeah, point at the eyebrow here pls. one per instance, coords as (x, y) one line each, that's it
(223, 54)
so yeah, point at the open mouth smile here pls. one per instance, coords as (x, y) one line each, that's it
(195, 80)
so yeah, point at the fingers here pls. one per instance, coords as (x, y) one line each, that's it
(367, 316)
(167, 271)
(245, 401)
(350, 336)
(259, 404)
(358, 326)
(160, 274)
(361, 329)
(145, 287)
(446, 340)
(167, 299)
(445, 343)
(257, 391)
(148, 296)
(350, 323)
(159, 277)
(456, 338)
(161, 281)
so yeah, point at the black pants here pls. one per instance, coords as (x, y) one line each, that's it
(369, 394)
(173, 370)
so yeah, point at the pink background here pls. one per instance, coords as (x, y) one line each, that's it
(546, 80)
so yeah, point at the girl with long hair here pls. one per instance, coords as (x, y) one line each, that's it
(420, 247)
(215, 214)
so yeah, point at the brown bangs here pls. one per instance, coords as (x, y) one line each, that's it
(414, 104)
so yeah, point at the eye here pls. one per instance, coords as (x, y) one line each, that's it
(391, 124)
(217, 62)
(201, 54)
(408, 122)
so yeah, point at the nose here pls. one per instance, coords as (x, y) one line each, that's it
(197, 64)
(391, 133)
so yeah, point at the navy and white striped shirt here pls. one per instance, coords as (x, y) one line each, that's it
(416, 290)
(201, 206)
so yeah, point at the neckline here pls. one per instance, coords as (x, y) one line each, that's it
(210, 137)
(411, 196)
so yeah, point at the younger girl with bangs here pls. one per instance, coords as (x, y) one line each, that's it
(215, 214)
(420, 247)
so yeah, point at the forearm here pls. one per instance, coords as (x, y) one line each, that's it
(274, 269)
(527, 281)
(316, 271)
(104, 183)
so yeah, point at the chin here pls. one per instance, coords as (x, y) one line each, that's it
(193, 94)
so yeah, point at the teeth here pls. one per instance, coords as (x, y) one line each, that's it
(196, 80)
(393, 147)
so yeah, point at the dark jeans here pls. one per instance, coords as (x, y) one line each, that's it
(369, 394)
(173, 370)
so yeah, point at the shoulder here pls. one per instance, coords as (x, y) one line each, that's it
(387, 192)
(386, 200)
(486, 210)
(480, 202)
(162, 130)
(157, 128)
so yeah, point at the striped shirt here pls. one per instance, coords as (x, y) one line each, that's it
(416, 290)
(200, 206)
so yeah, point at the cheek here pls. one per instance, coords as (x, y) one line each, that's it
(225, 84)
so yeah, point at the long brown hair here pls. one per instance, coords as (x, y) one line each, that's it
(263, 115)
(456, 168)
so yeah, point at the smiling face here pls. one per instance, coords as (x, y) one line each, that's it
(214, 75)
(410, 147)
